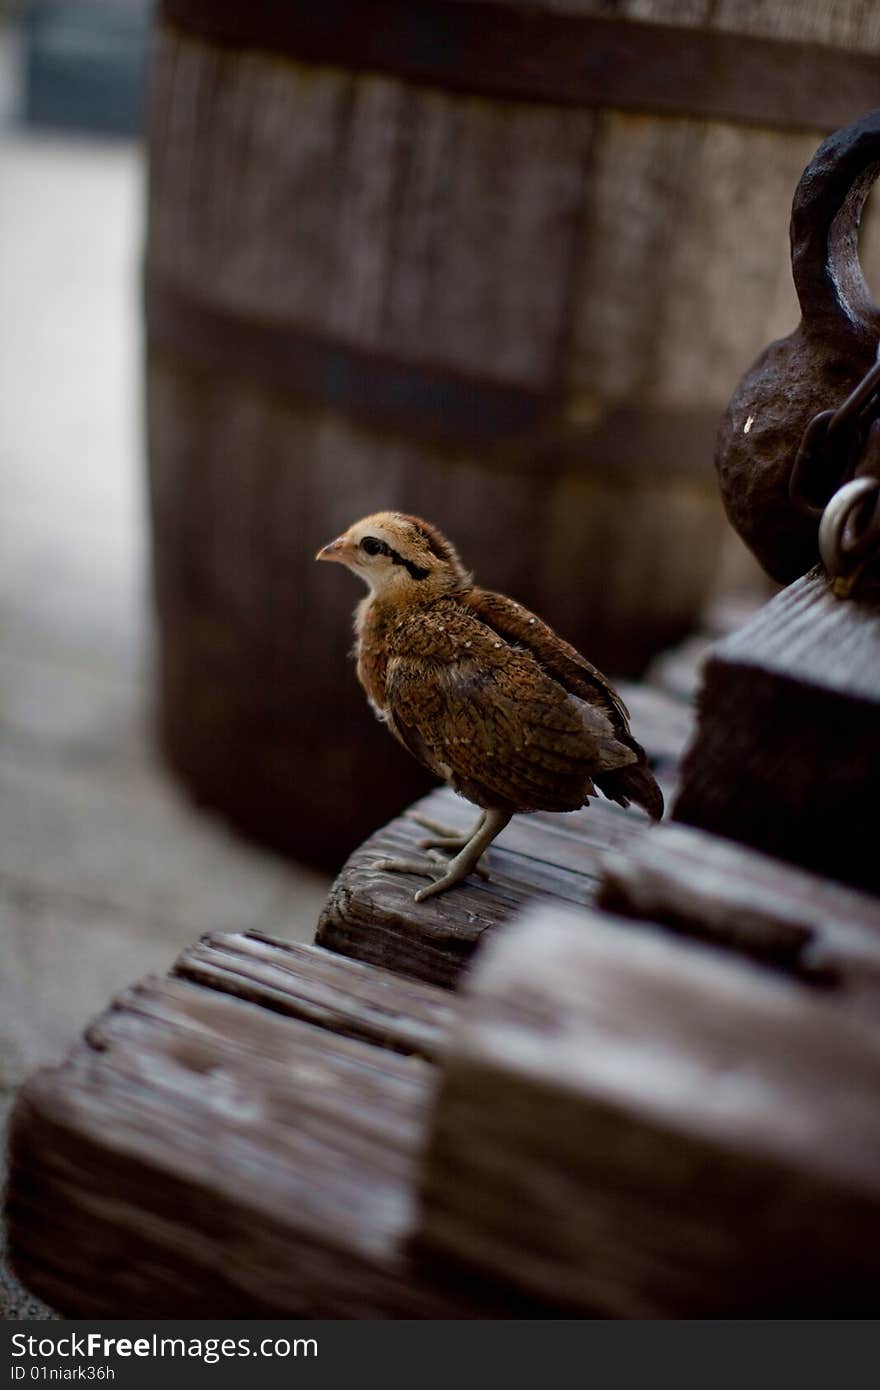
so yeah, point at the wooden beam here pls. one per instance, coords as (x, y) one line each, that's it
(207, 1152)
(728, 895)
(636, 1126)
(787, 751)
(320, 987)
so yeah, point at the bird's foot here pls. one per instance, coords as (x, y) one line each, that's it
(444, 837)
(434, 866)
(447, 872)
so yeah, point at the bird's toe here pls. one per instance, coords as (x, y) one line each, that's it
(440, 831)
(407, 866)
(448, 842)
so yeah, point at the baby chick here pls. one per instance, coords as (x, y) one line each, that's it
(481, 691)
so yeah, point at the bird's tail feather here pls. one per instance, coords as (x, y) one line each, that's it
(633, 783)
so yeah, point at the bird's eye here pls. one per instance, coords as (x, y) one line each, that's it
(370, 546)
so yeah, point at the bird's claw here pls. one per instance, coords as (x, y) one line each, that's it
(438, 886)
(434, 866)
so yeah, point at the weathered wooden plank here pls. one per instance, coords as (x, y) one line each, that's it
(204, 1156)
(807, 634)
(787, 751)
(372, 915)
(637, 1126)
(728, 895)
(323, 988)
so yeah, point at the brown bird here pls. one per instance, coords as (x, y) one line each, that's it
(482, 692)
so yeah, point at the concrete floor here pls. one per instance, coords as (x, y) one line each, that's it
(106, 871)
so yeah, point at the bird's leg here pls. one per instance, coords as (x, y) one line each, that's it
(490, 824)
(446, 838)
(443, 836)
(447, 873)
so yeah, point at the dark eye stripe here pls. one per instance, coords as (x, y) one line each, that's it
(413, 570)
(371, 545)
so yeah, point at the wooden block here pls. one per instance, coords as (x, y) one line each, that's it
(635, 1126)
(323, 988)
(787, 752)
(202, 1154)
(372, 915)
(728, 895)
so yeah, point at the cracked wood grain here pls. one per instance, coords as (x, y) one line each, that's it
(634, 1125)
(786, 755)
(206, 1154)
(726, 894)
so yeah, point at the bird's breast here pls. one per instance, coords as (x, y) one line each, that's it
(372, 666)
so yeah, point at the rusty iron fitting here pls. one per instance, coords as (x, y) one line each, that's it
(832, 444)
(770, 428)
(849, 533)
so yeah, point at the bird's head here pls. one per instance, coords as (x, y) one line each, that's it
(399, 557)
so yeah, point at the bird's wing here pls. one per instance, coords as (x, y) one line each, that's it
(483, 715)
(559, 659)
(583, 682)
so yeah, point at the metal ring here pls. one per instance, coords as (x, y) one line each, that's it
(842, 549)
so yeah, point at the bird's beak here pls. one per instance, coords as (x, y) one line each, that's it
(340, 550)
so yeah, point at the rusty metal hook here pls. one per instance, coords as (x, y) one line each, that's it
(829, 450)
(825, 216)
(774, 490)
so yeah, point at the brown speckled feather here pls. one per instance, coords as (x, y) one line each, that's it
(581, 678)
(558, 658)
(485, 715)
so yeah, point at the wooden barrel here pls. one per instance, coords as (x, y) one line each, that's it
(498, 266)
